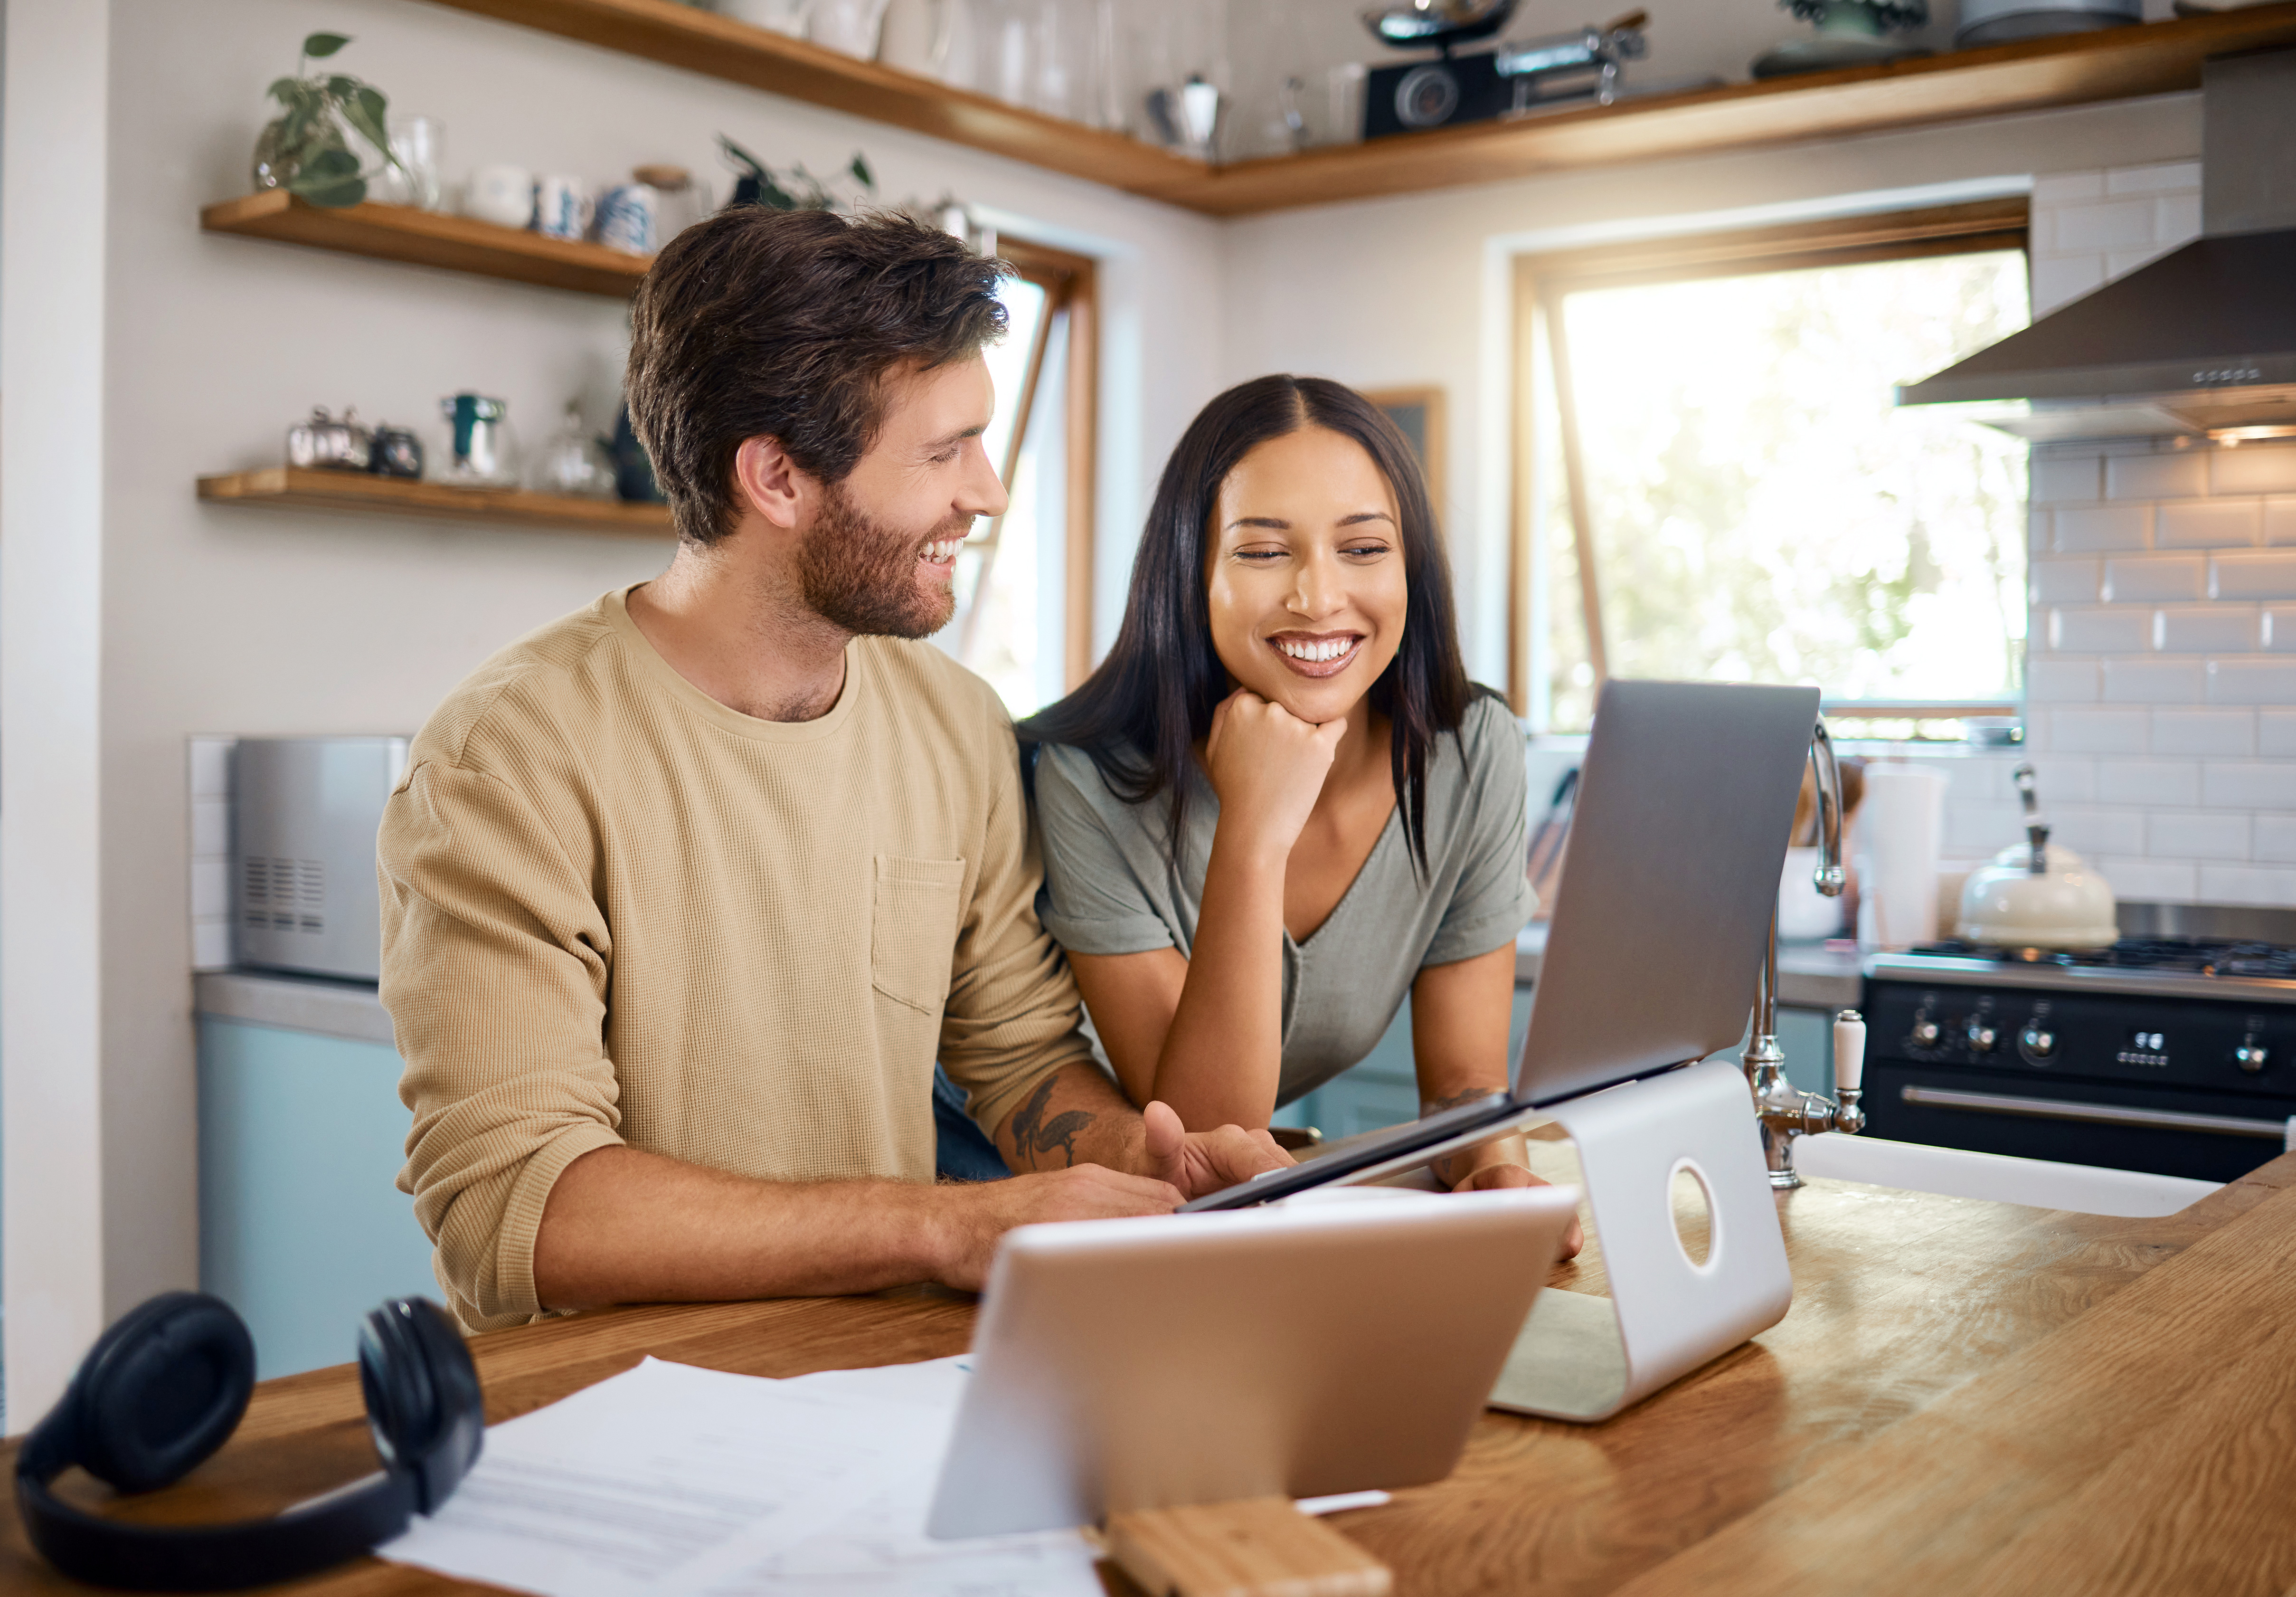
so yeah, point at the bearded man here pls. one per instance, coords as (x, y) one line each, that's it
(685, 894)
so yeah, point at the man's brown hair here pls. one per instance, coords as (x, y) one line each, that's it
(783, 324)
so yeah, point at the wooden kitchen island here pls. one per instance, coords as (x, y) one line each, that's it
(1966, 1398)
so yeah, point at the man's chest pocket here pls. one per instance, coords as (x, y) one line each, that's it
(912, 929)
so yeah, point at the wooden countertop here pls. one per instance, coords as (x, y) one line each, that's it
(1967, 1397)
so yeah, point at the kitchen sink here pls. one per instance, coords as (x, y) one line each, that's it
(1998, 1178)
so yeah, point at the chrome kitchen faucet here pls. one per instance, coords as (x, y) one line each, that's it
(1784, 1111)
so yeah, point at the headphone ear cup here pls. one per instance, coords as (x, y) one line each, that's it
(423, 1402)
(162, 1389)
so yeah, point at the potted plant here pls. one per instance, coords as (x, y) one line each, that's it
(306, 148)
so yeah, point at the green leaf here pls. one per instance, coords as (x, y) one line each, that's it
(318, 47)
(861, 173)
(364, 110)
(328, 166)
(757, 167)
(347, 190)
(774, 195)
(342, 87)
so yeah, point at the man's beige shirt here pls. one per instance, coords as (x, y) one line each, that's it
(616, 911)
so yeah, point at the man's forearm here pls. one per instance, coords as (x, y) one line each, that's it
(1075, 1115)
(627, 1226)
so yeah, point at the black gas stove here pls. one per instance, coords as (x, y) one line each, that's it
(2169, 1054)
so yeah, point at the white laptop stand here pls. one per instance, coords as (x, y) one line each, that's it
(1585, 1358)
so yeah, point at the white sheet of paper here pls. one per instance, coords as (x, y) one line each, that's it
(669, 1479)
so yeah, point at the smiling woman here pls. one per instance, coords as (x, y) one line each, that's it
(1279, 806)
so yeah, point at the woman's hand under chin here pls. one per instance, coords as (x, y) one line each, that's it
(1492, 1178)
(1267, 766)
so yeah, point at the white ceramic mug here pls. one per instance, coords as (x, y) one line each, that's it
(849, 26)
(562, 206)
(779, 16)
(916, 35)
(501, 195)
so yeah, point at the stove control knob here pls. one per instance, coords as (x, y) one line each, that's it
(1980, 1037)
(2036, 1043)
(2251, 1056)
(1925, 1033)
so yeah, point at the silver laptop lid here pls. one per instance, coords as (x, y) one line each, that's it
(1677, 844)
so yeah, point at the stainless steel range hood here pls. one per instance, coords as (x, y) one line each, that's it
(2201, 341)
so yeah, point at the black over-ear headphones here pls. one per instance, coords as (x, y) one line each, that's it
(167, 1383)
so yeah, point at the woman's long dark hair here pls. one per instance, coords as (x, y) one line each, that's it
(1140, 713)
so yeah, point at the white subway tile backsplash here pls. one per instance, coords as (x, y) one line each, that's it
(2065, 581)
(2059, 278)
(2078, 731)
(2208, 629)
(2150, 179)
(2249, 785)
(2274, 838)
(1980, 779)
(2253, 574)
(2177, 218)
(211, 827)
(2178, 476)
(2278, 635)
(2280, 521)
(2065, 781)
(2195, 834)
(2062, 479)
(2098, 831)
(2119, 263)
(210, 767)
(2105, 224)
(2148, 782)
(2136, 579)
(2208, 524)
(2275, 732)
(2065, 188)
(211, 944)
(2254, 468)
(2203, 732)
(2154, 681)
(2152, 881)
(2252, 681)
(2095, 529)
(1980, 829)
(2119, 631)
(2265, 884)
(210, 888)
(2062, 681)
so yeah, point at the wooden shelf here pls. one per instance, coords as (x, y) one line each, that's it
(426, 238)
(288, 488)
(2032, 75)
(2112, 64)
(702, 41)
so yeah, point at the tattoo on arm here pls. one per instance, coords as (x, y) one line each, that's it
(1033, 1134)
(1436, 1105)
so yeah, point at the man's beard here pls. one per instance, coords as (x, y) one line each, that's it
(860, 574)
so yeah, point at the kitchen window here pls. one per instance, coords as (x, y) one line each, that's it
(1023, 616)
(1714, 481)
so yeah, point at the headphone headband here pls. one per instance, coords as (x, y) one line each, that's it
(166, 1384)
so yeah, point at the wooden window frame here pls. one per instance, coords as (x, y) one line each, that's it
(1071, 288)
(1542, 281)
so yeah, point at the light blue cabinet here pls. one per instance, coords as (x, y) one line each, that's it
(302, 1226)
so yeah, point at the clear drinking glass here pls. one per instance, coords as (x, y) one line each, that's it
(420, 144)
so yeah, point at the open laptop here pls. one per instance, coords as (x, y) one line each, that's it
(1655, 944)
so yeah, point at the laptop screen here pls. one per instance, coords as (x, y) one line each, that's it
(1679, 839)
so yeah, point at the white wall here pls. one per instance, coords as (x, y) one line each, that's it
(133, 616)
